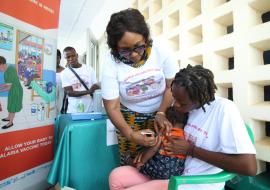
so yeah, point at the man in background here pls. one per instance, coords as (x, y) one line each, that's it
(79, 83)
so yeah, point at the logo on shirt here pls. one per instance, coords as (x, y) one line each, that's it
(144, 86)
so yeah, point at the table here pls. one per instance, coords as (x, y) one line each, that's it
(82, 159)
(37, 90)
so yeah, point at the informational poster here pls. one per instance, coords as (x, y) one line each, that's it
(28, 44)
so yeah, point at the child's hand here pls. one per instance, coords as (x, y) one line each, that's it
(137, 158)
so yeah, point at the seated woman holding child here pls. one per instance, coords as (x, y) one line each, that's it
(216, 138)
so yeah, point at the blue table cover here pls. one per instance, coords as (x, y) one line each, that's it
(82, 159)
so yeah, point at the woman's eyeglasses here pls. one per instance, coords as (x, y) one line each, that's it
(127, 52)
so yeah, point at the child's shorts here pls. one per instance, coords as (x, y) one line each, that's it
(163, 167)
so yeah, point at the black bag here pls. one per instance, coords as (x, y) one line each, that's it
(64, 104)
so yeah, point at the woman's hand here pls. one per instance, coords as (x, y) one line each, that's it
(161, 123)
(144, 137)
(176, 145)
(155, 148)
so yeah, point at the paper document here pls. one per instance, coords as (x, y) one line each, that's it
(111, 133)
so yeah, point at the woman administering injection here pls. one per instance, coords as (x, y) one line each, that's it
(136, 81)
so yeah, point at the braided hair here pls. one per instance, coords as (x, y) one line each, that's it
(198, 82)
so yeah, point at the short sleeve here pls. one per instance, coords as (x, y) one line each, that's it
(109, 82)
(234, 138)
(169, 65)
(64, 80)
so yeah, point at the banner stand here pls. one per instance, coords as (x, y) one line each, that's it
(28, 43)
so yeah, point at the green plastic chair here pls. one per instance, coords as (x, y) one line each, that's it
(220, 177)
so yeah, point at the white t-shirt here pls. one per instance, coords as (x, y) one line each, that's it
(219, 129)
(140, 89)
(68, 78)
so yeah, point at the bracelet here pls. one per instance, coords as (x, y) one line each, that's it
(190, 150)
(160, 113)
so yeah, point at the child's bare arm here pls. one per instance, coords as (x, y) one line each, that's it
(144, 156)
(149, 153)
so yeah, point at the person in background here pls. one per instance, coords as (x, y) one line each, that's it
(136, 81)
(59, 89)
(59, 68)
(79, 98)
(216, 137)
(15, 91)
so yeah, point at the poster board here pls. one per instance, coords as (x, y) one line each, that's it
(26, 147)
